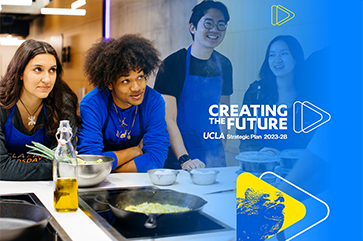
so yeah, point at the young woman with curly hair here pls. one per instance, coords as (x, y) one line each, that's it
(123, 117)
(33, 100)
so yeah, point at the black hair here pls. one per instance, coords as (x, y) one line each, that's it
(266, 75)
(202, 8)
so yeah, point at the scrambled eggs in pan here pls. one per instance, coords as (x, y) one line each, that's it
(156, 208)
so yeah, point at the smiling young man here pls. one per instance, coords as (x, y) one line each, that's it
(191, 80)
(123, 117)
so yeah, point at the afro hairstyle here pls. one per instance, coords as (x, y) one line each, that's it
(106, 61)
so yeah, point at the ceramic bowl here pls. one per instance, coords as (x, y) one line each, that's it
(163, 177)
(203, 176)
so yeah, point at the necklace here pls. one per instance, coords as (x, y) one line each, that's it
(32, 117)
(122, 123)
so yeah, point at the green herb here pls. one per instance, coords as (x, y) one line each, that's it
(79, 160)
(41, 150)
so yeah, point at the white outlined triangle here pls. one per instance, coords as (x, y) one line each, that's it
(311, 195)
(314, 108)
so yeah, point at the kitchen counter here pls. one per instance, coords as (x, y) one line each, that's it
(80, 227)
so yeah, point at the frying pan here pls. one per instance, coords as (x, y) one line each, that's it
(22, 221)
(119, 202)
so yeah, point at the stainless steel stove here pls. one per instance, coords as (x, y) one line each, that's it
(103, 217)
(53, 231)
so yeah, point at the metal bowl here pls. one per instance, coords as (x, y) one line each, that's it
(203, 176)
(92, 174)
(163, 177)
(257, 162)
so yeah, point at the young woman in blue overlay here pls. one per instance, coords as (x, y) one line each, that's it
(191, 80)
(33, 100)
(123, 117)
(282, 82)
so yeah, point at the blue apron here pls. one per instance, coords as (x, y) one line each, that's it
(16, 141)
(112, 142)
(198, 94)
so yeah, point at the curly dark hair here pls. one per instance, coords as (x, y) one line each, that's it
(61, 102)
(106, 61)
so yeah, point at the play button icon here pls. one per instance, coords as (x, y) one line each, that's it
(309, 118)
(280, 15)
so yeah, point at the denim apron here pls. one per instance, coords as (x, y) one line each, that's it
(16, 141)
(198, 94)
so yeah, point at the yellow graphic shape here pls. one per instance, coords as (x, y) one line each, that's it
(293, 211)
(274, 15)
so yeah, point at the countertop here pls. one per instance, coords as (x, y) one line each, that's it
(79, 226)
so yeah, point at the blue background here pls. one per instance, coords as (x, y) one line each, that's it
(346, 89)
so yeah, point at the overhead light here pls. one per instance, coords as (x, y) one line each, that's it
(107, 20)
(66, 11)
(63, 11)
(78, 4)
(10, 41)
(16, 2)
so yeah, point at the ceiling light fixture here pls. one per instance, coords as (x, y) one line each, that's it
(63, 11)
(16, 2)
(107, 20)
(10, 41)
(66, 11)
(78, 4)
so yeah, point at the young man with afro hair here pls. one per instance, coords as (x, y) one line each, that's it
(123, 117)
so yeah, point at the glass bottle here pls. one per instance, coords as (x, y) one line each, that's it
(65, 171)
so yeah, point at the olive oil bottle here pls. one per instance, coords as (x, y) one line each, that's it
(65, 171)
